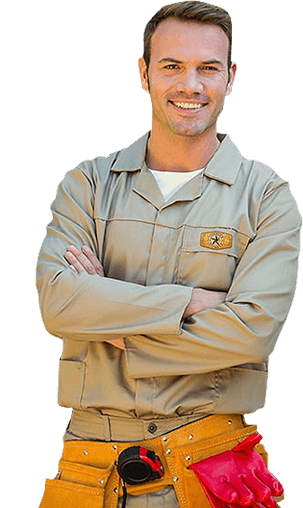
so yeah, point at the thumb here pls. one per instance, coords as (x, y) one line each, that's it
(248, 444)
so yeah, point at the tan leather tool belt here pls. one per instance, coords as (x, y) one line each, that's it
(88, 476)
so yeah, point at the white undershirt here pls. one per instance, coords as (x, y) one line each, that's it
(171, 181)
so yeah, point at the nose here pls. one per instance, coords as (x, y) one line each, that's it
(190, 82)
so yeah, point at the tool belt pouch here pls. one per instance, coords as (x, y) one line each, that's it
(238, 477)
(196, 449)
(76, 486)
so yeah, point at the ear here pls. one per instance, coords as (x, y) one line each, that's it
(143, 74)
(232, 73)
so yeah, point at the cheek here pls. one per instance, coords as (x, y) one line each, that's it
(161, 84)
(158, 93)
(217, 93)
(216, 87)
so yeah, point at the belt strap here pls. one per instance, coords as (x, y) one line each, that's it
(89, 425)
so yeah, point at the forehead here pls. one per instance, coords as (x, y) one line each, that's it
(187, 40)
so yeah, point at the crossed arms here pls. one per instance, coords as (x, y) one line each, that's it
(85, 260)
(196, 331)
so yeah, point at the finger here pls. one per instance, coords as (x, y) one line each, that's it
(248, 444)
(259, 488)
(254, 505)
(82, 259)
(246, 496)
(73, 261)
(227, 492)
(270, 503)
(261, 493)
(93, 259)
(266, 477)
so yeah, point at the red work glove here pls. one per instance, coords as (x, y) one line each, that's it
(238, 478)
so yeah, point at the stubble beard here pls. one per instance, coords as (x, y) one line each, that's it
(188, 128)
(192, 128)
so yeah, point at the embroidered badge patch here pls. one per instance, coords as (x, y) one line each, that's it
(216, 240)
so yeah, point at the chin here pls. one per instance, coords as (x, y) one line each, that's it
(188, 130)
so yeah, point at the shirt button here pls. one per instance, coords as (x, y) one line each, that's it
(152, 428)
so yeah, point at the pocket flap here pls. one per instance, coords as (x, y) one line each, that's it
(84, 474)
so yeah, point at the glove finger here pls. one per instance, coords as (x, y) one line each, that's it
(266, 501)
(267, 504)
(246, 496)
(215, 502)
(266, 477)
(248, 444)
(253, 492)
(270, 503)
(261, 491)
(228, 493)
(254, 505)
(261, 505)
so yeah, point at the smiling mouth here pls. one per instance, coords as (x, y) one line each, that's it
(188, 105)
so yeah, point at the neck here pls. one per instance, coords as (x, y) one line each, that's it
(180, 153)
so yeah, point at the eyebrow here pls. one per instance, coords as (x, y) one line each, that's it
(208, 62)
(167, 59)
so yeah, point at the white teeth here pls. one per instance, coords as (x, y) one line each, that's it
(187, 105)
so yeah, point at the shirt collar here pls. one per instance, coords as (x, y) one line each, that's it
(223, 166)
(133, 157)
(226, 161)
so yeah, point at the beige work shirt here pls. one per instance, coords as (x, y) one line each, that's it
(235, 228)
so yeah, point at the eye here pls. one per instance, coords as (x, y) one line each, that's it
(209, 68)
(171, 66)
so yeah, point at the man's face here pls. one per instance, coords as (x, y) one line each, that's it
(187, 76)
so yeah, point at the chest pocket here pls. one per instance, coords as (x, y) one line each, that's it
(208, 257)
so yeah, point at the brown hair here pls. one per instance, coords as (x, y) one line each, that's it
(200, 12)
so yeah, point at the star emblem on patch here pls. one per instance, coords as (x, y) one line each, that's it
(216, 240)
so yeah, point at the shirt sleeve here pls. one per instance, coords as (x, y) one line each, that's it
(243, 329)
(90, 307)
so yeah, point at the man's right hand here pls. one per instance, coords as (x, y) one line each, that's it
(203, 299)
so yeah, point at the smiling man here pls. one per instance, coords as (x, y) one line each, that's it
(188, 77)
(168, 270)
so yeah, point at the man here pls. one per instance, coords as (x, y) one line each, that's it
(168, 271)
